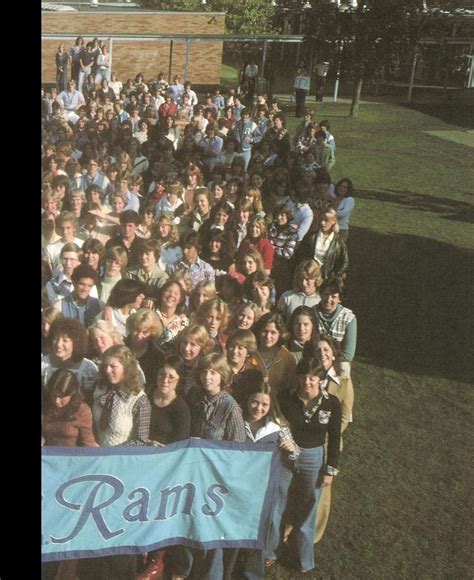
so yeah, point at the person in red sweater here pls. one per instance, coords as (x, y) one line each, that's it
(257, 239)
(167, 109)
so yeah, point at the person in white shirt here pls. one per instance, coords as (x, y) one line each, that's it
(70, 100)
(301, 88)
(60, 283)
(66, 224)
(302, 212)
(103, 65)
(193, 100)
(321, 69)
(116, 85)
(171, 201)
(250, 74)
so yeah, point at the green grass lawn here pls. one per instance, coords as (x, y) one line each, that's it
(229, 76)
(401, 505)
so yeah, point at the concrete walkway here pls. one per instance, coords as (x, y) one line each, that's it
(311, 101)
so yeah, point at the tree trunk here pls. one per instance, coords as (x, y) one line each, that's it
(356, 98)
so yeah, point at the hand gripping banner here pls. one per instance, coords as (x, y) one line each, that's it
(130, 500)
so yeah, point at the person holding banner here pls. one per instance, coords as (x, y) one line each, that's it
(170, 422)
(67, 422)
(264, 423)
(218, 417)
(121, 408)
(121, 412)
(313, 415)
(67, 419)
(170, 415)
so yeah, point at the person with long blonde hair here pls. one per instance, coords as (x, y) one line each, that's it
(306, 283)
(192, 344)
(202, 292)
(327, 247)
(143, 327)
(166, 232)
(214, 316)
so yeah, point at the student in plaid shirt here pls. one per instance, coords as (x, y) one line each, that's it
(283, 236)
(216, 416)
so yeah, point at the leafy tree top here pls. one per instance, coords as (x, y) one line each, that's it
(242, 16)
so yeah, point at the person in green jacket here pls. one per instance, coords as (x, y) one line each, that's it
(323, 152)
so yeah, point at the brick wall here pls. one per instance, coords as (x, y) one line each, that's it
(147, 57)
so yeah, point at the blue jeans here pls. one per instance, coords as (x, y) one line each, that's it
(308, 471)
(245, 564)
(102, 74)
(274, 535)
(198, 564)
(82, 75)
(246, 154)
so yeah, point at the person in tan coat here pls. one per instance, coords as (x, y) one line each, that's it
(328, 351)
(280, 364)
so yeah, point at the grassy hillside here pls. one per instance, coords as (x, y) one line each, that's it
(401, 505)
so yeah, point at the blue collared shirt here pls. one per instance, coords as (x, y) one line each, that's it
(198, 271)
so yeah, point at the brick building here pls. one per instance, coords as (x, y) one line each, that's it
(139, 53)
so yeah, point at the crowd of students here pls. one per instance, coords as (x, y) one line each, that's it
(194, 267)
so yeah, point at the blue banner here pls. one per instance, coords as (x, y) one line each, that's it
(129, 500)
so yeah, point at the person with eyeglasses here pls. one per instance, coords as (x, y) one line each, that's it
(60, 283)
(93, 176)
(170, 414)
(170, 421)
(66, 226)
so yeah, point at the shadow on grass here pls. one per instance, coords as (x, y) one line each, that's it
(412, 299)
(289, 108)
(454, 210)
(457, 112)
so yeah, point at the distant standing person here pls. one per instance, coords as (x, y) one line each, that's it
(269, 75)
(62, 60)
(102, 65)
(86, 61)
(251, 74)
(75, 52)
(301, 88)
(321, 69)
(345, 195)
